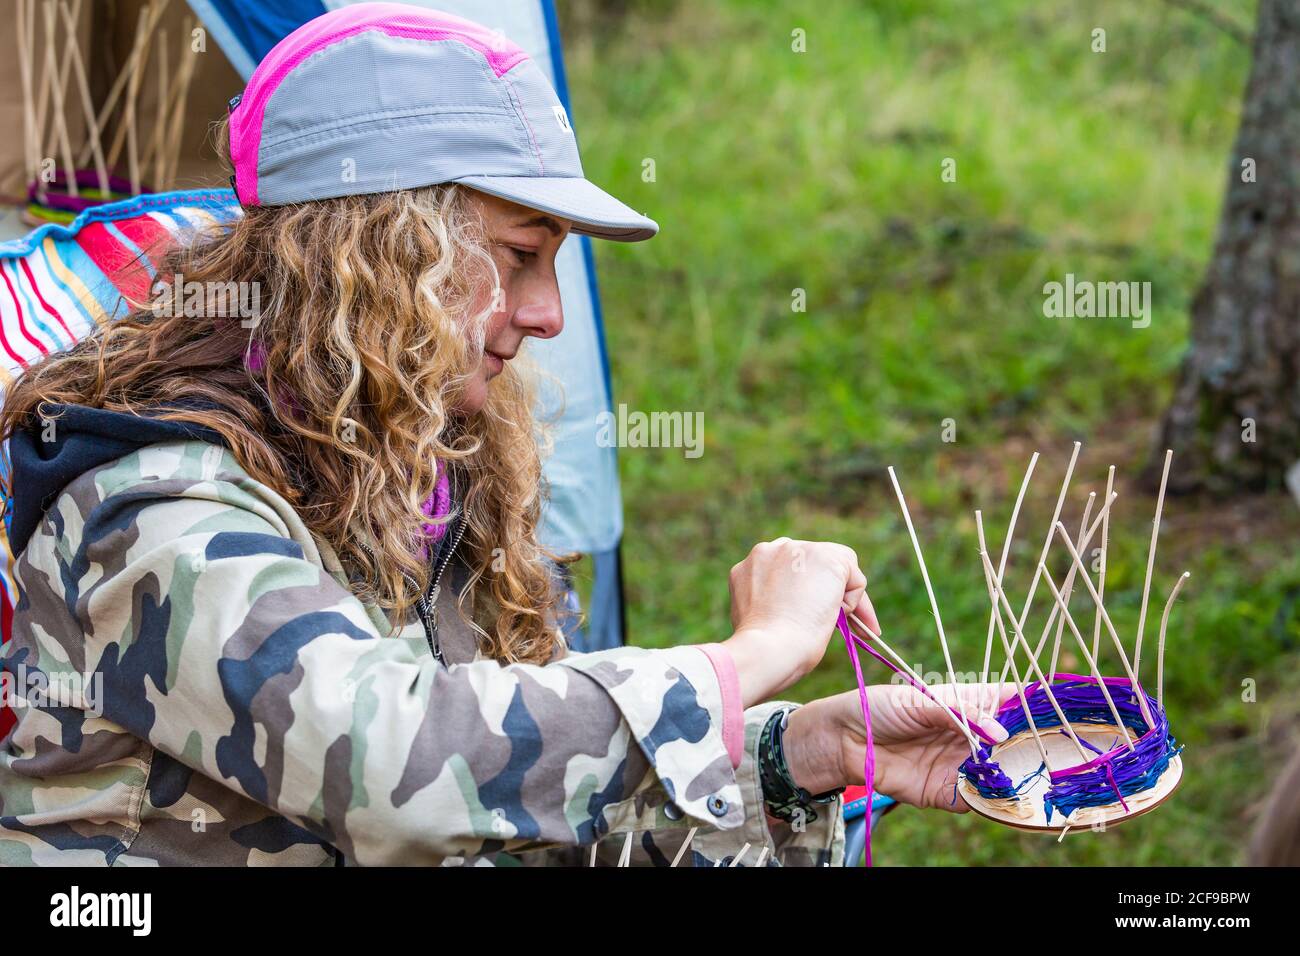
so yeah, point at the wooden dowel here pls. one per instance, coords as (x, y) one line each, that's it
(902, 665)
(129, 123)
(56, 95)
(1105, 619)
(135, 68)
(1160, 653)
(1069, 589)
(1002, 563)
(153, 12)
(1101, 574)
(53, 88)
(70, 45)
(176, 124)
(87, 103)
(1033, 663)
(154, 153)
(929, 590)
(1006, 646)
(27, 65)
(1151, 563)
(1047, 545)
(681, 851)
(1052, 614)
(1092, 661)
(46, 80)
(31, 153)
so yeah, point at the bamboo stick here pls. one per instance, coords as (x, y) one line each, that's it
(129, 123)
(31, 151)
(681, 851)
(176, 124)
(1051, 616)
(934, 604)
(1151, 562)
(1101, 575)
(1006, 645)
(133, 71)
(1110, 627)
(1160, 654)
(83, 90)
(1092, 661)
(1002, 563)
(153, 155)
(1047, 546)
(1033, 662)
(1069, 589)
(903, 666)
(153, 11)
(62, 81)
(56, 91)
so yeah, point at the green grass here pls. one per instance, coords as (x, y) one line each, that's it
(777, 171)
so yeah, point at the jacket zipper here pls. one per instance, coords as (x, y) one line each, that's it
(426, 605)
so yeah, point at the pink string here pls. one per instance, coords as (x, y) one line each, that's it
(869, 761)
(974, 727)
(1114, 786)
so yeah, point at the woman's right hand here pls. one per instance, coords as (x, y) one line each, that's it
(785, 598)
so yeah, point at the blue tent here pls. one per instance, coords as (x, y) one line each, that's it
(585, 512)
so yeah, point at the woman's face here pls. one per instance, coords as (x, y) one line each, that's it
(523, 242)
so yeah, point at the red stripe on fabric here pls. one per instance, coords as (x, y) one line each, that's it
(4, 339)
(118, 263)
(22, 322)
(147, 233)
(36, 288)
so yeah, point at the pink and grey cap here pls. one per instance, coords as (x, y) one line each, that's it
(377, 97)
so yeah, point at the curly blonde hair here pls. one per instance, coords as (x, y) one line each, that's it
(366, 338)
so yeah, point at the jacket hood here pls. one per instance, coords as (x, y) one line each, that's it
(45, 459)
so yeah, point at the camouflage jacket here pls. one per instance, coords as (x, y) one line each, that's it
(197, 685)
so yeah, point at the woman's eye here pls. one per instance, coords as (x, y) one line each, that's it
(520, 256)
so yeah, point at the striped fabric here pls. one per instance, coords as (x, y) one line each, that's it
(60, 282)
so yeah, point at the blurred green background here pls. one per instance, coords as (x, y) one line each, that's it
(775, 171)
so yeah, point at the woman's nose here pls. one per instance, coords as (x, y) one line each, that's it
(543, 316)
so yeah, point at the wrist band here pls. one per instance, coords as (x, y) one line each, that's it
(785, 799)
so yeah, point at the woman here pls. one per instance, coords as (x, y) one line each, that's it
(297, 557)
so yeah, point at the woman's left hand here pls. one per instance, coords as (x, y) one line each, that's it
(918, 746)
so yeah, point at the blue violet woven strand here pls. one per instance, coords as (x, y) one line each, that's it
(1108, 778)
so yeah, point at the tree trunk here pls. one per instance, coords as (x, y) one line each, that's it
(1234, 423)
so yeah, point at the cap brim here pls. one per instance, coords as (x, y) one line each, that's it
(593, 211)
